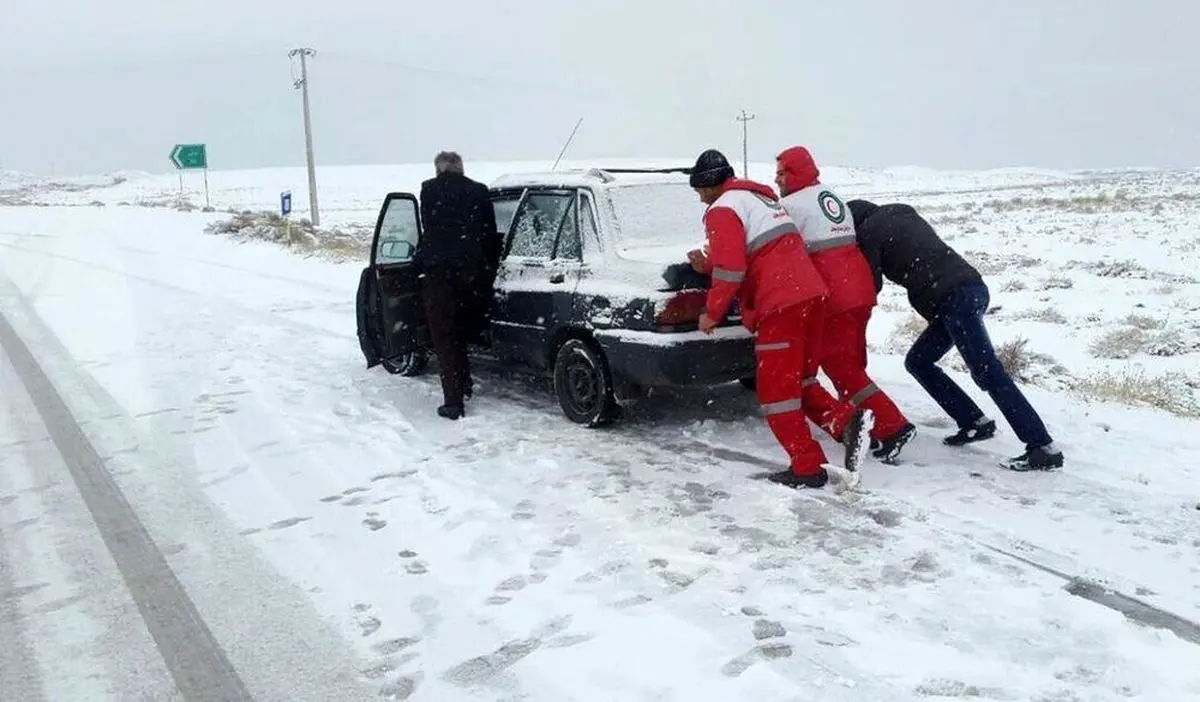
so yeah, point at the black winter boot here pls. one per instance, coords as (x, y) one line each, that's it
(889, 449)
(788, 478)
(451, 411)
(982, 430)
(1036, 458)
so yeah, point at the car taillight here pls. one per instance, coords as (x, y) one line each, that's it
(682, 309)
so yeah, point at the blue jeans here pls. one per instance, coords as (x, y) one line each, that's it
(959, 323)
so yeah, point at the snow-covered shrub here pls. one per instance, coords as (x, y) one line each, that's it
(1026, 365)
(1049, 315)
(1128, 341)
(1014, 285)
(1173, 392)
(345, 242)
(1144, 322)
(905, 333)
(1119, 343)
(1058, 282)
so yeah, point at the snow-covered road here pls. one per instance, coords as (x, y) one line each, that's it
(339, 541)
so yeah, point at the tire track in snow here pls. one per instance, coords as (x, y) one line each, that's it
(18, 664)
(196, 660)
(282, 646)
(1134, 609)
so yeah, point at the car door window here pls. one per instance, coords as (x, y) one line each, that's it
(570, 246)
(399, 232)
(536, 224)
(505, 206)
(588, 231)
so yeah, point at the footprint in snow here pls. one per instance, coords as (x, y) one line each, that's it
(545, 558)
(393, 476)
(402, 687)
(767, 629)
(524, 511)
(632, 601)
(368, 625)
(426, 608)
(610, 568)
(513, 584)
(763, 652)
(572, 539)
(394, 646)
(373, 522)
(285, 523)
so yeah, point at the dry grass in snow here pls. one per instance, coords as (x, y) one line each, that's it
(346, 243)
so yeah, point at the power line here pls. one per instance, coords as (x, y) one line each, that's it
(302, 84)
(745, 120)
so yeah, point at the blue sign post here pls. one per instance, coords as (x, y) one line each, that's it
(285, 203)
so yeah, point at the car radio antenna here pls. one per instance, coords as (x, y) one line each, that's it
(564, 148)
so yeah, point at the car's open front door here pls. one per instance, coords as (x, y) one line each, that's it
(390, 312)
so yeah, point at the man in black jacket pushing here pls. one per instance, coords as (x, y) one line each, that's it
(949, 293)
(458, 255)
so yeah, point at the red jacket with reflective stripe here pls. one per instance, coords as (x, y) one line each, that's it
(828, 230)
(756, 254)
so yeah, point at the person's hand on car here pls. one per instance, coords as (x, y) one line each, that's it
(706, 323)
(698, 260)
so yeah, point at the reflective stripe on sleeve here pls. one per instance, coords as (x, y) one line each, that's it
(773, 408)
(776, 346)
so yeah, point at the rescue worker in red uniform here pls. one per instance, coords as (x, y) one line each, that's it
(829, 236)
(756, 254)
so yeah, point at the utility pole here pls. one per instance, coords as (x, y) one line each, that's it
(745, 119)
(302, 84)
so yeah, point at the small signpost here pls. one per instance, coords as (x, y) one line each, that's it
(285, 203)
(191, 157)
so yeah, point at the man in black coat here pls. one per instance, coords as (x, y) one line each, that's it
(458, 255)
(948, 292)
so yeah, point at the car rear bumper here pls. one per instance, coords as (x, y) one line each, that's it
(678, 358)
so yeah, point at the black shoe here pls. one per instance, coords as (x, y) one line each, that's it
(468, 390)
(890, 448)
(451, 411)
(982, 430)
(787, 478)
(1036, 458)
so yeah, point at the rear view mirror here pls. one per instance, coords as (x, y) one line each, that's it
(396, 250)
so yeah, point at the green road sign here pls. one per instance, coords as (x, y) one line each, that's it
(189, 156)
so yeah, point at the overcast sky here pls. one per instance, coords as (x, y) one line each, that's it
(88, 86)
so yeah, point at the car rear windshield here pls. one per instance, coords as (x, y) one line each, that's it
(658, 215)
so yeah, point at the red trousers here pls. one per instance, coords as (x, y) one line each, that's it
(783, 346)
(843, 356)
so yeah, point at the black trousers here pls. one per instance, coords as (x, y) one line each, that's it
(454, 309)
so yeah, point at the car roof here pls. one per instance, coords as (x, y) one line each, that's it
(592, 178)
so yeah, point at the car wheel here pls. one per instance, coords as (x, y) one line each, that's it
(584, 384)
(407, 364)
(750, 382)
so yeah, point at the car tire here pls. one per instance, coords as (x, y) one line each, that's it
(584, 384)
(408, 365)
(750, 382)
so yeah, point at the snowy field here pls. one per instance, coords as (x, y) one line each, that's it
(343, 542)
